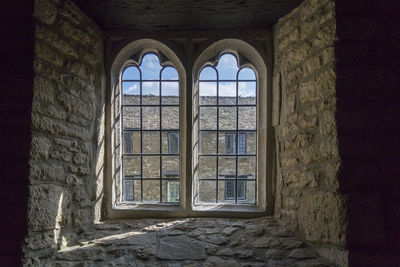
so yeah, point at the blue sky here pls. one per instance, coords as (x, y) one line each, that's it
(150, 68)
(227, 69)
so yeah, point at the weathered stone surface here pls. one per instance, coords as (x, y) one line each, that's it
(47, 53)
(275, 254)
(290, 243)
(40, 148)
(302, 253)
(43, 90)
(48, 110)
(61, 154)
(47, 206)
(265, 242)
(254, 230)
(180, 248)
(46, 172)
(81, 254)
(244, 253)
(144, 252)
(40, 240)
(308, 162)
(74, 104)
(42, 123)
(322, 215)
(45, 10)
(217, 239)
(230, 230)
(225, 252)
(56, 41)
(137, 239)
(319, 88)
(211, 248)
(216, 261)
(150, 242)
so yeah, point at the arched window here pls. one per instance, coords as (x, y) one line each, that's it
(227, 133)
(147, 86)
(150, 132)
(168, 158)
(230, 125)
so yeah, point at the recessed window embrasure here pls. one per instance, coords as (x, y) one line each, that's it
(150, 132)
(227, 133)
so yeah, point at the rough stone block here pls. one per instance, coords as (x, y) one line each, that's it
(55, 40)
(318, 88)
(327, 149)
(82, 70)
(45, 10)
(322, 216)
(74, 104)
(303, 253)
(180, 248)
(40, 147)
(46, 172)
(47, 207)
(325, 37)
(72, 32)
(327, 123)
(48, 125)
(48, 110)
(43, 90)
(40, 240)
(46, 53)
(61, 154)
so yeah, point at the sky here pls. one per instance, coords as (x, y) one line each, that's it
(226, 67)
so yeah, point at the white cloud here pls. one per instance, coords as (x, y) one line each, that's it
(245, 90)
(227, 89)
(208, 89)
(228, 60)
(134, 89)
(170, 89)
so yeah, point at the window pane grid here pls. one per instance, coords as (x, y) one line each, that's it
(150, 120)
(236, 142)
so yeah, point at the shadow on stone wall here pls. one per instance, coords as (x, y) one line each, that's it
(189, 242)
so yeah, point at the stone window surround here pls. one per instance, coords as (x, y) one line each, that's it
(245, 53)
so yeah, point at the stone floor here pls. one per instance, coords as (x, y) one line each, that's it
(188, 242)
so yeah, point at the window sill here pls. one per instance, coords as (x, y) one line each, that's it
(136, 211)
(214, 208)
(148, 207)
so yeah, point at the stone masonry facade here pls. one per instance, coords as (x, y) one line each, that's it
(170, 120)
(304, 81)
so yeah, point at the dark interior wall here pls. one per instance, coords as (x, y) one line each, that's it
(16, 81)
(368, 68)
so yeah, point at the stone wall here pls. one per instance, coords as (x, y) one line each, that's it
(66, 128)
(189, 242)
(304, 82)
